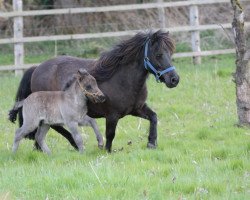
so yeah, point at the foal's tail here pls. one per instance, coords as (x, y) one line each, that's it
(13, 112)
(24, 90)
(17, 105)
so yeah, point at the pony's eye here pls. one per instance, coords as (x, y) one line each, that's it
(159, 55)
(88, 87)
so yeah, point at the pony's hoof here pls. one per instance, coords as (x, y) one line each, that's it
(100, 146)
(109, 150)
(151, 146)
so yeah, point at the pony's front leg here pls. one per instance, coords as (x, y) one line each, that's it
(146, 113)
(111, 124)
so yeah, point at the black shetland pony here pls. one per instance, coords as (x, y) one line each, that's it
(121, 74)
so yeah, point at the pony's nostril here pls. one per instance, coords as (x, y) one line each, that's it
(174, 80)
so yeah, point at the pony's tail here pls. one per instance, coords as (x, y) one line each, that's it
(24, 90)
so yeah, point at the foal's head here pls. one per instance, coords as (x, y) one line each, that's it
(88, 86)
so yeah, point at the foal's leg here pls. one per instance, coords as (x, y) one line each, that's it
(76, 135)
(17, 139)
(64, 133)
(92, 122)
(111, 124)
(20, 134)
(40, 137)
(146, 113)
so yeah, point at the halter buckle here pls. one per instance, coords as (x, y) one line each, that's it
(157, 76)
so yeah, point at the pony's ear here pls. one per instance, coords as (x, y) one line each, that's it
(83, 72)
(158, 34)
(155, 37)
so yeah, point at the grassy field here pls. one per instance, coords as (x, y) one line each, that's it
(201, 152)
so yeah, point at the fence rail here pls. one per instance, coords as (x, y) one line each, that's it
(113, 34)
(112, 8)
(18, 40)
(176, 55)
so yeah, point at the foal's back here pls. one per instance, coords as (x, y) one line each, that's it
(45, 106)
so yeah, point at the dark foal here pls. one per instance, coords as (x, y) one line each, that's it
(121, 74)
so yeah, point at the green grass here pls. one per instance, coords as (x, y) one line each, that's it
(201, 153)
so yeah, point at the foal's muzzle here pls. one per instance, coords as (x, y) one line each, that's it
(97, 98)
(101, 99)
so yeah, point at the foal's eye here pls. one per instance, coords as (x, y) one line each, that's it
(159, 55)
(88, 87)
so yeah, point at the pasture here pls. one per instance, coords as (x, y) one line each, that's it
(201, 152)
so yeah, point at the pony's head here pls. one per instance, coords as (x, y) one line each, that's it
(158, 50)
(154, 49)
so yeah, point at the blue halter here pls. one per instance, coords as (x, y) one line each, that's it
(148, 65)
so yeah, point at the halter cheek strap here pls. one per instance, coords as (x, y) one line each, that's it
(148, 65)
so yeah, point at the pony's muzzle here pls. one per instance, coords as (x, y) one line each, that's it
(170, 79)
(174, 80)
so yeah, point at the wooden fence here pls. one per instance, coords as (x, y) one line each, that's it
(18, 40)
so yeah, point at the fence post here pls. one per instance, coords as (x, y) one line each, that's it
(161, 14)
(195, 35)
(18, 34)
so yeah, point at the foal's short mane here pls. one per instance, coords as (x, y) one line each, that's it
(128, 51)
(69, 83)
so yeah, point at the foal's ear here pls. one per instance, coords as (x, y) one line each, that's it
(83, 72)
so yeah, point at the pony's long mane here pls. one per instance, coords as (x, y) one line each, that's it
(128, 51)
(69, 83)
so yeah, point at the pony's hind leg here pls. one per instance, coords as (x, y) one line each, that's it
(76, 135)
(92, 122)
(40, 137)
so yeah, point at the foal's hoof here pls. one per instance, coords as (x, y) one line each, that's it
(151, 146)
(48, 153)
(100, 146)
(81, 151)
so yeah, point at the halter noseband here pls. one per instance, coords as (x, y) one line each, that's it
(148, 65)
(85, 91)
